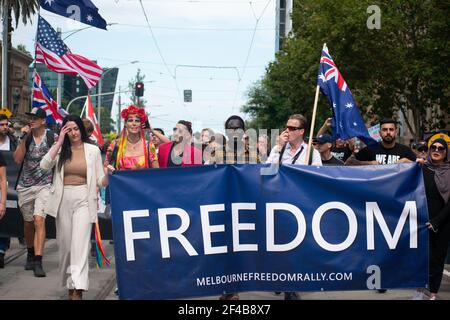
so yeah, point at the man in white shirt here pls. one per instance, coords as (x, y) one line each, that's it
(7, 141)
(291, 148)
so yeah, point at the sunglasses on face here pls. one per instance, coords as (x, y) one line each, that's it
(423, 149)
(290, 128)
(437, 148)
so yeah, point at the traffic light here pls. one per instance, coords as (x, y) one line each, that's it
(187, 95)
(139, 89)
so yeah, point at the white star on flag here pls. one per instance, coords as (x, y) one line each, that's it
(334, 105)
(89, 18)
(355, 124)
(322, 77)
(349, 105)
(49, 2)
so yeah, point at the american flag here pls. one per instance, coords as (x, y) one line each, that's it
(57, 56)
(43, 99)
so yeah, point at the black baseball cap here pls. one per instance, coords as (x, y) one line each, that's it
(37, 112)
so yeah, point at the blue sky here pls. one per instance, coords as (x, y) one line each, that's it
(198, 32)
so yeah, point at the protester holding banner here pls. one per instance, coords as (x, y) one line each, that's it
(180, 152)
(436, 175)
(291, 148)
(132, 150)
(73, 200)
(323, 145)
(388, 151)
(33, 186)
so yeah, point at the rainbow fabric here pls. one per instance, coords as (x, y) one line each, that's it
(100, 255)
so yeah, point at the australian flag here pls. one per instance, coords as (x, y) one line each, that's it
(347, 121)
(43, 99)
(83, 11)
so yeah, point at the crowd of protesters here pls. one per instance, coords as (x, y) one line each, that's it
(62, 173)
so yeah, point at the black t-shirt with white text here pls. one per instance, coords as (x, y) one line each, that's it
(386, 156)
(341, 153)
(332, 162)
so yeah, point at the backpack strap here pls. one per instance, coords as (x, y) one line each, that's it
(50, 135)
(281, 153)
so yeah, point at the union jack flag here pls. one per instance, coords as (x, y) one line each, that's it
(54, 53)
(347, 121)
(43, 99)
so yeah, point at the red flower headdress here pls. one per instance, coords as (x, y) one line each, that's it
(132, 109)
(140, 112)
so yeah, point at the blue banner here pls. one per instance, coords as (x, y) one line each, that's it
(203, 231)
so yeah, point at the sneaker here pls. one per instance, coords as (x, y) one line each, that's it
(2, 260)
(291, 296)
(418, 295)
(433, 297)
(38, 271)
(29, 265)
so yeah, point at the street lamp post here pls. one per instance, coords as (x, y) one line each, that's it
(100, 85)
(60, 76)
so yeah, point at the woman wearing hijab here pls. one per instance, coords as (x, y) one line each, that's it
(436, 175)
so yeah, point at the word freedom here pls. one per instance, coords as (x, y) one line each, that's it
(373, 213)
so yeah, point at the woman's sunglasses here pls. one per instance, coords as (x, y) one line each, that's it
(437, 148)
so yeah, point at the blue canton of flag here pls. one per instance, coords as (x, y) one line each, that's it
(80, 10)
(347, 121)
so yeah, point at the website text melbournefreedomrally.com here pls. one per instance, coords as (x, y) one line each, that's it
(273, 277)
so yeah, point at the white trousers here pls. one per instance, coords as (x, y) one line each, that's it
(73, 233)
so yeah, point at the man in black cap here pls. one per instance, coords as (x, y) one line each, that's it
(34, 185)
(323, 144)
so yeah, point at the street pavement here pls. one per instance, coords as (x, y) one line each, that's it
(19, 284)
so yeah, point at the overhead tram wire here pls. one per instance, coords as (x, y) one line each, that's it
(160, 53)
(250, 48)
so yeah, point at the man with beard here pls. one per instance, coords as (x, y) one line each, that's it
(387, 151)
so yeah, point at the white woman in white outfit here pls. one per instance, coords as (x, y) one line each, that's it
(73, 200)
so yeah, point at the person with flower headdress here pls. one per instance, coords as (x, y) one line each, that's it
(132, 151)
(436, 176)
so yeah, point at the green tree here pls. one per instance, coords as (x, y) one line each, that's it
(107, 124)
(21, 9)
(138, 78)
(22, 48)
(401, 67)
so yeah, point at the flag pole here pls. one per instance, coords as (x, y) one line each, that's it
(84, 107)
(313, 120)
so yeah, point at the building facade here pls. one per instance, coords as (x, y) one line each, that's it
(283, 20)
(19, 92)
(74, 86)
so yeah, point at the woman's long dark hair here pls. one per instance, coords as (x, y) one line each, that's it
(66, 151)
